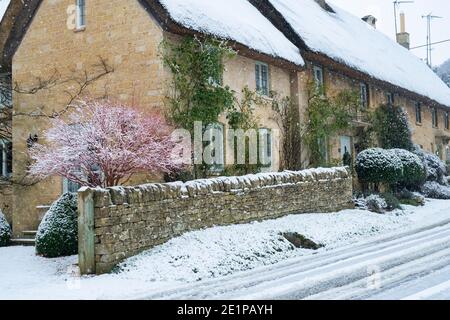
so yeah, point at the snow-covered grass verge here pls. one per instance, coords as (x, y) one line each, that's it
(202, 254)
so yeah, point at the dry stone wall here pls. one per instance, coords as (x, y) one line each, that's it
(117, 223)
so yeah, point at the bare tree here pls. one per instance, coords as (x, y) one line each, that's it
(75, 86)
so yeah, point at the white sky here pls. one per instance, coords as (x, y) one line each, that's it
(3, 6)
(383, 11)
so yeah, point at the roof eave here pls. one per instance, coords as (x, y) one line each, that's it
(351, 72)
(157, 10)
(277, 19)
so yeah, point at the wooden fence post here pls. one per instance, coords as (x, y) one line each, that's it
(86, 236)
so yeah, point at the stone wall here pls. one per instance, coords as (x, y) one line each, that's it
(120, 222)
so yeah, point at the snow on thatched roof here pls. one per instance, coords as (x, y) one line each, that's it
(349, 40)
(235, 20)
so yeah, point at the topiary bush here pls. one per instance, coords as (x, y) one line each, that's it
(414, 171)
(377, 165)
(5, 231)
(57, 235)
(435, 167)
(434, 190)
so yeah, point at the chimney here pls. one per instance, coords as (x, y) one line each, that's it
(403, 37)
(371, 20)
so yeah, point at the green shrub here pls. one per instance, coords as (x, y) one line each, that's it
(414, 171)
(435, 167)
(378, 166)
(5, 231)
(391, 201)
(392, 128)
(182, 175)
(57, 235)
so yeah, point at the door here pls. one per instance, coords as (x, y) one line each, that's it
(346, 145)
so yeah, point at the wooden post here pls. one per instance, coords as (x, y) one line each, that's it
(86, 236)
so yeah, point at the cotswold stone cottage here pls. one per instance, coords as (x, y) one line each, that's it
(57, 49)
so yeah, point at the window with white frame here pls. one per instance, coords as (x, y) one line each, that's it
(262, 78)
(434, 117)
(318, 77)
(418, 112)
(81, 14)
(70, 186)
(364, 95)
(390, 98)
(5, 158)
(215, 133)
(265, 147)
(446, 120)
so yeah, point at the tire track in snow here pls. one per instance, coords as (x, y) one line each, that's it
(348, 254)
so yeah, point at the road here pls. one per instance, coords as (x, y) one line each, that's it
(409, 265)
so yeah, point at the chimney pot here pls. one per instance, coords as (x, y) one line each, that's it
(403, 37)
(371, 20)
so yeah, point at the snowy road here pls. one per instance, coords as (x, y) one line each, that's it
(410, 265)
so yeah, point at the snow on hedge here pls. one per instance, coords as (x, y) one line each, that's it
(349, 40)
(378, 165)
(434, 190)
(5, 230)
(376, 203)
(58, 232)
(235, 20)
(436, 168)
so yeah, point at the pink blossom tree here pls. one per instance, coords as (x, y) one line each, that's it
(104, 144)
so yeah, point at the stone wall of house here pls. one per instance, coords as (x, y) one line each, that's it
(131, 47)
(6, 200)
(127, 220)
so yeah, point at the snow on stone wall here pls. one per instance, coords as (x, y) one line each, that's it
(128, 220)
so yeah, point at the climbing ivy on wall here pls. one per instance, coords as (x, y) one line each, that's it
(325, 118)
(241, 116)
(288, 119)
(196, 92)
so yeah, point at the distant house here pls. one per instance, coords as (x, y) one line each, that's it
(349, 52)
(282, 46)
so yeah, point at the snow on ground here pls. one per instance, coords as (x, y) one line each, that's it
(202, 254)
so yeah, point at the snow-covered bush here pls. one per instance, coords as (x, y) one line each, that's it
(414, 172)
(411, 198)
(375, 203)
(5, 231)
(378, 166)
(436, 168)
(434, 190)
(57, 235)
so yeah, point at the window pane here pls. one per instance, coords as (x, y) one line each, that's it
(418, 113)
(265, 80)
(8, 146)
(318, 76)
(257, 77)
(81, 10)
(1, 159)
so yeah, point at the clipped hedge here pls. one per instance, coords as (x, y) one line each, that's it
(414, 171)
(57, 235)
(435, 167)
(5, 231)
(377, 165)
